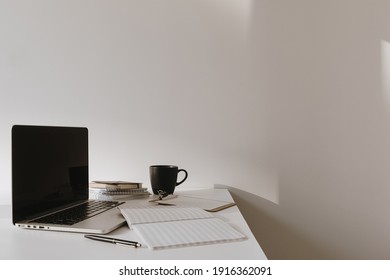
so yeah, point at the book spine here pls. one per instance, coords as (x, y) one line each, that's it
(115, 187)
(120, 192)
(123, 187)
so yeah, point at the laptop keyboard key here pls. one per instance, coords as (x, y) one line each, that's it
(78, 213)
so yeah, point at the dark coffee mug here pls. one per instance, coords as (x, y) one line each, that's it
(163, 178)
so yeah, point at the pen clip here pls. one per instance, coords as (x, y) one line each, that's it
(162, 194)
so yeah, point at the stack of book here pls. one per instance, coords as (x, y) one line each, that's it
(116, 190)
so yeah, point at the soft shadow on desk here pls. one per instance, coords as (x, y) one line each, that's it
(268, 224)
(5, 211)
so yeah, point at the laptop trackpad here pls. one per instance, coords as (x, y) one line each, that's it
(104, 222)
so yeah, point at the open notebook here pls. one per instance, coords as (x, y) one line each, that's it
(210, 205)
(171, 227)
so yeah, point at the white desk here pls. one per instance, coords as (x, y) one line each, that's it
(24, 244)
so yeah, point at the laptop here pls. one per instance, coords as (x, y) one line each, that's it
(50, 180)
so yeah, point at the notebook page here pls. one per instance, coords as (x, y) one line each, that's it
(154, 214)
(184, 233)
(211, 205)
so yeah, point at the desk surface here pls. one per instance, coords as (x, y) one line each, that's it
(17, 243)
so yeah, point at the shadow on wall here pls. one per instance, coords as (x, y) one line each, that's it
(269, 224)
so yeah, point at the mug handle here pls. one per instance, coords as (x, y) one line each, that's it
(185, 176)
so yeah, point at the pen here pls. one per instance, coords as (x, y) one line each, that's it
(113, 240)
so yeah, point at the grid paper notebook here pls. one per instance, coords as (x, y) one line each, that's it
(173, 227)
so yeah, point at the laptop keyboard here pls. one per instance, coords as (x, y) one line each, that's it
(78, 213)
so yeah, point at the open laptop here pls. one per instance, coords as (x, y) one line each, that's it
(50, 180)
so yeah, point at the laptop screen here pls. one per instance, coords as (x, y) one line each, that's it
(49, 168)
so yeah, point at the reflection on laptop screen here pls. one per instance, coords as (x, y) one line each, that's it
(49, 168)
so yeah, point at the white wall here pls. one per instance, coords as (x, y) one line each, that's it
(156, 82)
(285, 99)
(325, 65)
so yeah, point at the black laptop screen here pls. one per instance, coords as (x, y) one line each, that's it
(49, 168)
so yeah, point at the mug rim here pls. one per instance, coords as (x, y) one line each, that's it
(165, 166)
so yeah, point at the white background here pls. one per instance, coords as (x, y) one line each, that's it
(285, 99)
(156, 82)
